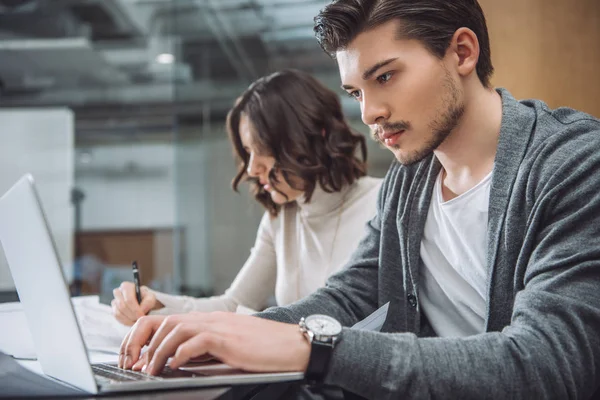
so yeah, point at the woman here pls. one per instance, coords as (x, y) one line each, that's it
(300, 158)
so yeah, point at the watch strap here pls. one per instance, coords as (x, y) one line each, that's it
(320, 354)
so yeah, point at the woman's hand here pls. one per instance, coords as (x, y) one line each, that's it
(125, 307)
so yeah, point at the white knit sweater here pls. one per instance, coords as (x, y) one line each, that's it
(294, 253)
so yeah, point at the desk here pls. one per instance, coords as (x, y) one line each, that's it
(27, 374)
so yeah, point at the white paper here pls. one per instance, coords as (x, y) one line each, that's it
(15, 338)
(102, 333)
(375, 320)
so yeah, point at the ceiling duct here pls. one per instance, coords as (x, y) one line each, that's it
(33, 19)
(32, 65)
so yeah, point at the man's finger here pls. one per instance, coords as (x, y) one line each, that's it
(122, 349)
(140, 363)
(168, 324)
(207, 345)
(167, 347)
(201, 359)
(140, 334)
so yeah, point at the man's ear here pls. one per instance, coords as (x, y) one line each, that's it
(466, 47)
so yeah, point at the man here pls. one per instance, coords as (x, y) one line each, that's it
(486, 242)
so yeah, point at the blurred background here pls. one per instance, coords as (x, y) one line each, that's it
(117, 107)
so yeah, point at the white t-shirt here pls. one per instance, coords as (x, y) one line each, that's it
(454, 251)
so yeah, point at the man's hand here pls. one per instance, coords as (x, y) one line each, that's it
(125, 307)
(241, 341)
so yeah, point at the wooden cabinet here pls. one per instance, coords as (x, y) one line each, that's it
(152, 249)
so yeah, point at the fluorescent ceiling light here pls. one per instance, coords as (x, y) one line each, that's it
(165, 58)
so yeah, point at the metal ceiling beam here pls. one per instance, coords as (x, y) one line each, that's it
(242, 73)
(127, 95)
(222, 32)
(248, 5)
(218, 94)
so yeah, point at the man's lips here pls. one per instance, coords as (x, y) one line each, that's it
(390, 138)
(388, 135)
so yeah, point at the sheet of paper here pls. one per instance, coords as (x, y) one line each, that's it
(375, 320)
(101, 332)
(15, 339)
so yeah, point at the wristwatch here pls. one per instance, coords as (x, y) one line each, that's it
(323, 332)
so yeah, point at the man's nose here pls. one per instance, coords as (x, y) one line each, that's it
(374, 110)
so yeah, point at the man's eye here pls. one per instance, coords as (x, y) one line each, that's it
(354, 94)
(383, 78)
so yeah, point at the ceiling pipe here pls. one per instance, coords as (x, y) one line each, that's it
(222, 32)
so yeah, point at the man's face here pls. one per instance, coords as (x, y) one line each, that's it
(408, 97)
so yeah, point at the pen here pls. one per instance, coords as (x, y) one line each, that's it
(136, 281)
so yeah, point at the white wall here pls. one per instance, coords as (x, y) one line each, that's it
(233, 217)
(40, 141)
(192, 213)
(128, 186)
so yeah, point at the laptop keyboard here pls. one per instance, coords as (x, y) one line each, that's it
(114, 373)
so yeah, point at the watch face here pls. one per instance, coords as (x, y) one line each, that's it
(323, 325)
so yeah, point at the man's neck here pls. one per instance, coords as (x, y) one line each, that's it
(468, 154)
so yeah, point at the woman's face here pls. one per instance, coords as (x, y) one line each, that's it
(260, 165)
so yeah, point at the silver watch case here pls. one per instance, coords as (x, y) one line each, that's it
(321, 328)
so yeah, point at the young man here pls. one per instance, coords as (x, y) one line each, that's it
(486, 242)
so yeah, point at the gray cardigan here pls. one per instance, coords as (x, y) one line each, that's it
(542, 331)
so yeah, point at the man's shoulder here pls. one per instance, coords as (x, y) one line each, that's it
(568, 117)
(568, 122)
(564, 139)
(560, 130)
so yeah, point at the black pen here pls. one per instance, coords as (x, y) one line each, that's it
(136, 281)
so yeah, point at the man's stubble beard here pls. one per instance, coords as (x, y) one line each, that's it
(441, 127)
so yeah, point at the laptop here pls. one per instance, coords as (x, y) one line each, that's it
(36, 270)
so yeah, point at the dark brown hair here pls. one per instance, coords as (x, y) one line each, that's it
(432, 22)
(299, 122)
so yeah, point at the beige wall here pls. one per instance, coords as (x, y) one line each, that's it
(547, 49)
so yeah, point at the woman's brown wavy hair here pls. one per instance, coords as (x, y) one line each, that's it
(300, 123)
